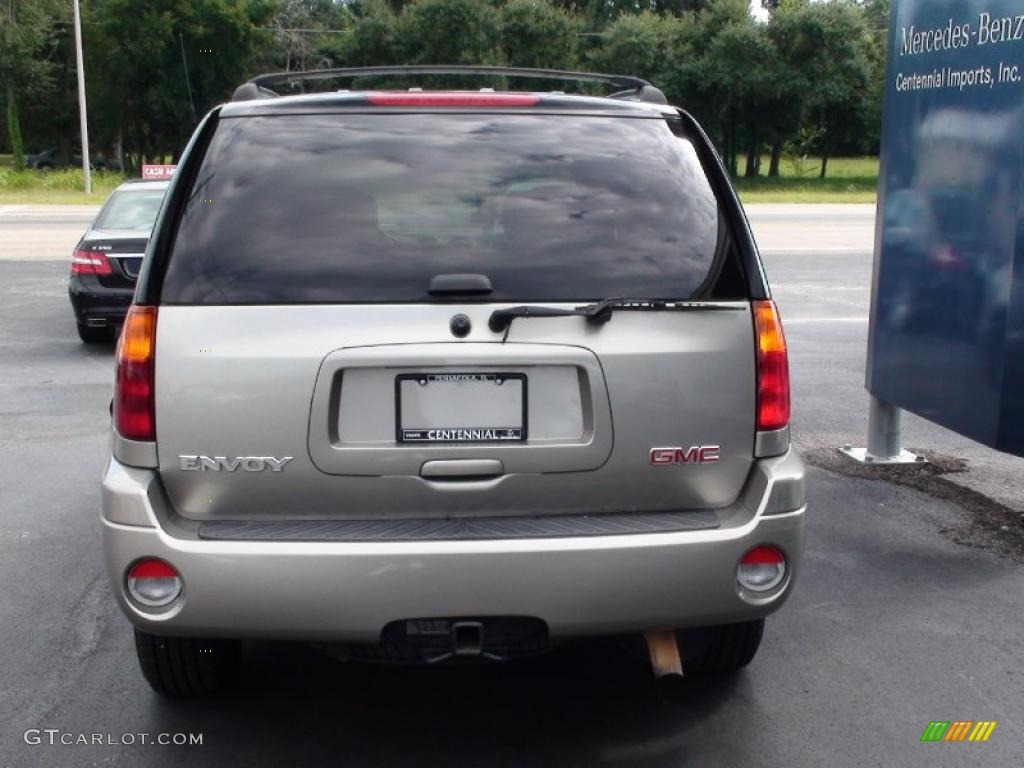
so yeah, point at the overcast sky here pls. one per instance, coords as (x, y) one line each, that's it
(758, 11)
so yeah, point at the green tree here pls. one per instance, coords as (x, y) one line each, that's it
(449, 32)
(27, 36)
(644, 45)
(732, 80)
(306, 35)
(374, 37)
(601, 13)
(827, 48)
(535, 33)
(827, 62)
(140, 78)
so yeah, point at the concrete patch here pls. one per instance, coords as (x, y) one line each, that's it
(987, 525)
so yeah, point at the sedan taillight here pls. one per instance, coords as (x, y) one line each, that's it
(90, 263)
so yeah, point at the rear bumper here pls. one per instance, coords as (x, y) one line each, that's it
(349, 591)
(96, 304)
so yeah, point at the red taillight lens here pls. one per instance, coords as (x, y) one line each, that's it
(153, 583)
(468, 99)
(761, 569)
(90, 263)
(133, 393)
(772, 368)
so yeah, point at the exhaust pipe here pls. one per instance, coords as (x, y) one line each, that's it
(664, 653)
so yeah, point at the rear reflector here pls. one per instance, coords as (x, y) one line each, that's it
(772, 368)
(133, 391)
(467, 99)
(761, 569)
(153, 583)
(90, 263)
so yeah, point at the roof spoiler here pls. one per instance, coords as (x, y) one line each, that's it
(631, 88)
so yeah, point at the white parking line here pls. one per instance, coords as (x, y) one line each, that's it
(808, 250)
(49, 212)
(810, 320)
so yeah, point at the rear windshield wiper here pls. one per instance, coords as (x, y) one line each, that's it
(600, 312)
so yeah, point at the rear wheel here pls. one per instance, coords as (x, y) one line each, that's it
(94, 335)
(728, 647)
(186, 666)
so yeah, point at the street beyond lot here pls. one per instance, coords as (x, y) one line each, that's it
(893, 624)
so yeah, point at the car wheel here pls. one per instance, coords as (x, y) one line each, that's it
(186, 666)
(728, 647)
(94, 335)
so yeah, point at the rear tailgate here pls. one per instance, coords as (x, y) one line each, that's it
(313, 384)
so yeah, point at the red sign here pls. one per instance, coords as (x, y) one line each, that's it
(157, 172)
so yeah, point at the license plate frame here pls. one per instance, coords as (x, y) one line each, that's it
(509, 434)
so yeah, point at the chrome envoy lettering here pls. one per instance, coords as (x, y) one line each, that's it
(226, 464)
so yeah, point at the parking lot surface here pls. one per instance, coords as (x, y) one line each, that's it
(893, 623)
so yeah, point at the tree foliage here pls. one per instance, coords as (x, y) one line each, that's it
(151, 62)
(534, 33)
(811, 77)
(28, 33)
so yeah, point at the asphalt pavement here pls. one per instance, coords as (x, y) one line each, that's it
(893, 623)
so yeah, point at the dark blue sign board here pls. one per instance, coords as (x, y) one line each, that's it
(947, 321)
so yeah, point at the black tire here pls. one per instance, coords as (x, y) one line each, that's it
(181, 667)
(729, 647)
(94, 335)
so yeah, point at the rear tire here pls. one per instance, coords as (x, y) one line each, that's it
(94, 335)
(182, 667)
(730, 647)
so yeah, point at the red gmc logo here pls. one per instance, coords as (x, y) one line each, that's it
(698, 454)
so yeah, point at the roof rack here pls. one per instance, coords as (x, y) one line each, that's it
(634, 88)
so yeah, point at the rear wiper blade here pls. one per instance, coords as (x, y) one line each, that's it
(600, 312)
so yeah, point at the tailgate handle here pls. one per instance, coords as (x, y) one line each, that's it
(453, 469)
(460, 285)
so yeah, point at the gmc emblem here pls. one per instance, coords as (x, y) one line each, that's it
(698, 454)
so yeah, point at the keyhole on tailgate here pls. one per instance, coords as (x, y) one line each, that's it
(460, 326)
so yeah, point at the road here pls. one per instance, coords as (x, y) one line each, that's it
(892, 625)
(41, 232)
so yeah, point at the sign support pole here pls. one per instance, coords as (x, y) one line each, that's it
(86, 172)
(885, 437)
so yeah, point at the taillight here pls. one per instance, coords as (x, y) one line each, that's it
(467, 99)
(772, 368)
(90, 263)
(133, 392)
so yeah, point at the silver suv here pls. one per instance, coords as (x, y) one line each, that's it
(427, 376)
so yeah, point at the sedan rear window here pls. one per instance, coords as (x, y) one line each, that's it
(130, 209)
(340, 208)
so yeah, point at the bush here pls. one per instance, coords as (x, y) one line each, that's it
(62, 180)
(11, 179)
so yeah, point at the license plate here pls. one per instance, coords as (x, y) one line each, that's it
(461, 407)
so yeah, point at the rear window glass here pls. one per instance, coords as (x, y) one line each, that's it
(369, 207)
(131, 209)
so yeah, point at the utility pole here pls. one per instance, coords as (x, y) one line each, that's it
(188, 81)
(86, 172)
